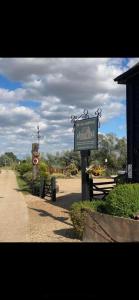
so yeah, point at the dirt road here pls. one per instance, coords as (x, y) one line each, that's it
(13, 210)
(26, 218)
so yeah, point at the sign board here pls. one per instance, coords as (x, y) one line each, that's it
(130, 171)
(86, 134)
(35, 161)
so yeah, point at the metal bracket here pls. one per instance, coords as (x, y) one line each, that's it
(85, 115)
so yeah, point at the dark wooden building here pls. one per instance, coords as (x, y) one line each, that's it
(131, 79)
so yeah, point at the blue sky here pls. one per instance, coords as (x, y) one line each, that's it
(116, 125)
(47, 91)
(9, 84)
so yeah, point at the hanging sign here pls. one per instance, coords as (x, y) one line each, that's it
(86, 134)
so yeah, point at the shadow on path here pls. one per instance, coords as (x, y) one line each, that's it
(44, 213)
(24, 189)
(68, 233)
(65, 201)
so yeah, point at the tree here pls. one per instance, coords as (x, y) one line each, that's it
(109, 146)
(12, 156)
(71, 169)
(112, 148)
(8, 159)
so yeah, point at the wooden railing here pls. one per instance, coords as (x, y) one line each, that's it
(103, 187)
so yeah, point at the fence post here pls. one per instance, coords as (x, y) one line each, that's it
(90, 186)
(85, 177)
(53, 188)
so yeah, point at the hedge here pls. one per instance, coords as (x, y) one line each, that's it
(77, 214)
(123, 200)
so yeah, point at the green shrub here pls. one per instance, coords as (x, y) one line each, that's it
(43, 168)
(123, 200)
(27, 176)
(24, 167)
(71, 170)
(23, 185)
(77, 214)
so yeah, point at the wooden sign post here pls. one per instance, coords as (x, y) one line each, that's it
(85, 139)
(35, 162)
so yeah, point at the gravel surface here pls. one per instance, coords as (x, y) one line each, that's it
(49, 221)
(13, 210)
(26, 218)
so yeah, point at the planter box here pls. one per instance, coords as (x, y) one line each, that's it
(106, 228)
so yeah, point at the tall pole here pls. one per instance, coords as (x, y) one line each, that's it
(38, 134)
(85, 177)
(35, 159)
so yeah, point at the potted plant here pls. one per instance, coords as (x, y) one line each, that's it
(96, 170)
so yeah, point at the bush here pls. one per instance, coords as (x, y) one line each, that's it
(27, 176)
(77, 214)
(23, 185)
(123, 200)
(24, 167)
(71, 170)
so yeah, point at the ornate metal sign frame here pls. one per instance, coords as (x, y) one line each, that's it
(86, 131)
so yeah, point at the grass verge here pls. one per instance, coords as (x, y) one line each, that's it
(22, 184)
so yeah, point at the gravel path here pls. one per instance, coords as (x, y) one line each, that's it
(26, 218)
(50, 221)
(13, 210)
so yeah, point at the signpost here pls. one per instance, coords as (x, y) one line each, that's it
(35, 162)
(85, 139)
(86, 134)
(35, 159)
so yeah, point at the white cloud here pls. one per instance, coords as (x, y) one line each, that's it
(62, 87)
(12, 96)
(133, 61)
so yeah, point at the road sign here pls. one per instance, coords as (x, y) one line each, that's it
(35, 161)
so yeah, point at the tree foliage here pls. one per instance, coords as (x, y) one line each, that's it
(8, 159)
(109, 146)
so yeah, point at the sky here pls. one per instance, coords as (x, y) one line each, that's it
(47, 91)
